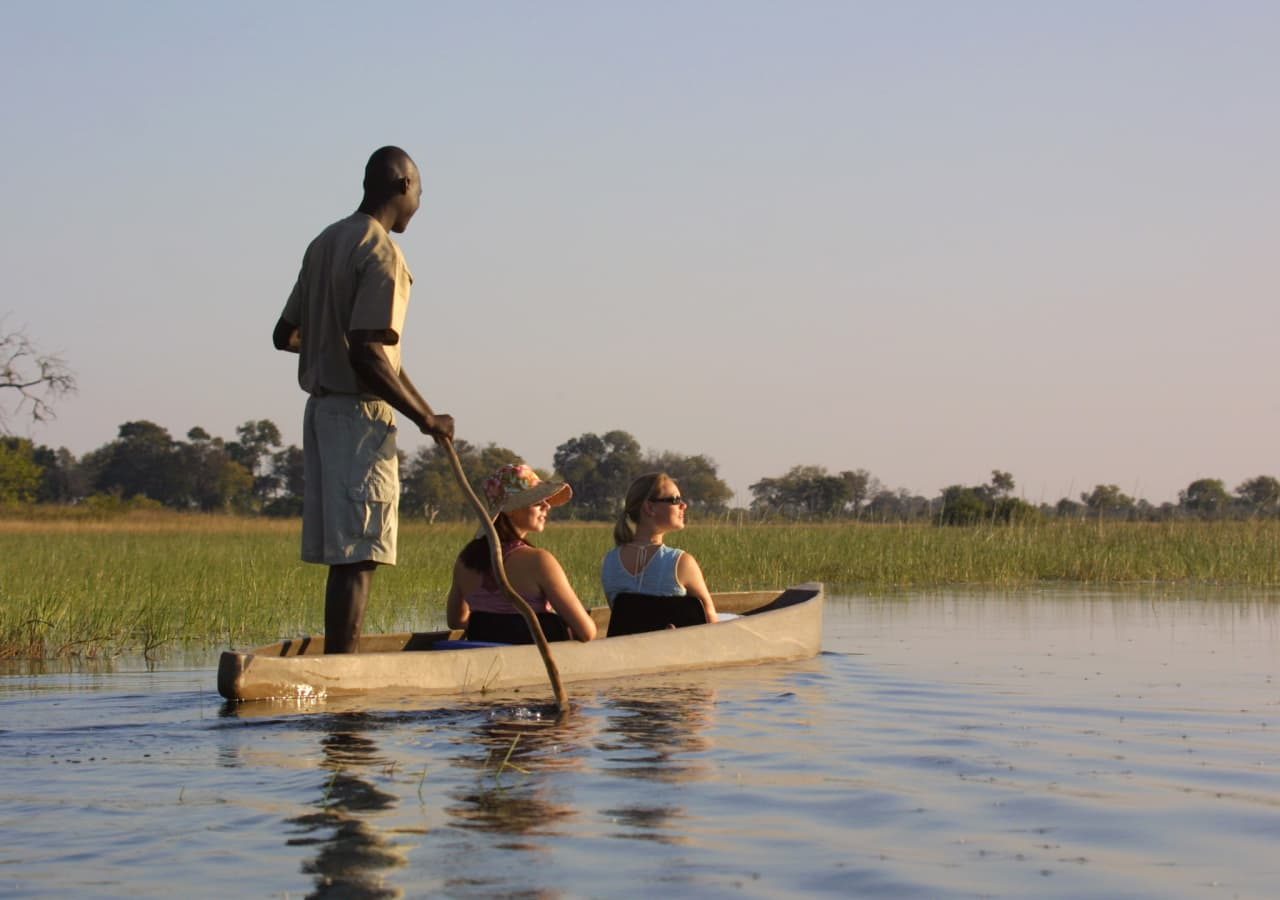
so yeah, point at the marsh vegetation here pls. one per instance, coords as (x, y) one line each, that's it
(147, 582)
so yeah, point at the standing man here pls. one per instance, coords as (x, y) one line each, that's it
(344, 318)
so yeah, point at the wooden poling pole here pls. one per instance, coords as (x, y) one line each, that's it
(495, 555)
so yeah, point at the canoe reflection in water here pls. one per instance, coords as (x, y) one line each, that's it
(351, 854)
(516, 753)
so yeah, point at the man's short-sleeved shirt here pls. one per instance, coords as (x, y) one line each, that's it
(353, 278)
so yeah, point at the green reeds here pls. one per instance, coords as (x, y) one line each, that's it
(146, 583)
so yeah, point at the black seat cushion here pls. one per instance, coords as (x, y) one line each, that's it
(638, 613)
(501, 628)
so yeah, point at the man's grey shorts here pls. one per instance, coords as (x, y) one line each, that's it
(351, 477)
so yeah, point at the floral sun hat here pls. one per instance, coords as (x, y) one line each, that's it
(515, 486)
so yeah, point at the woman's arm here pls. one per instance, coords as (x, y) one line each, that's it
(457, 612)
(559, 593)
(689, 574)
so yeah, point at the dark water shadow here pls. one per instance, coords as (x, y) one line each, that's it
(515, 753)
(655, 734)
(525, 762)
(352, 856)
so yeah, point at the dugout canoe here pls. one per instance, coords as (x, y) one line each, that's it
(773, 626)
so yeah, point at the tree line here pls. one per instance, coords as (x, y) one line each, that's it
(813, 493)
(255, 473)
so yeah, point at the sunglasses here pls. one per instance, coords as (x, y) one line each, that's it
(677, 500)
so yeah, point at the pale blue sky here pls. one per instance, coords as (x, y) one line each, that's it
(925, 239)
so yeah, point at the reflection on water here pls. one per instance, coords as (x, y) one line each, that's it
(352, 856)
(648, 823)
(654, 732)
(513, 751)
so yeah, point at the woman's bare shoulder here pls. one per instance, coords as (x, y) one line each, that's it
(545, 557)
(530, 558)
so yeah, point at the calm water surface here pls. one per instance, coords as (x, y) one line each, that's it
(1049, 744)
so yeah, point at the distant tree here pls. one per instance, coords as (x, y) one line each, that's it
(142, 461)
(767, 497)
(35, 473)
(805, 492)
(62, 479)
(1165, 512)
(827, 496)
(600, 468)
(31, 381)
(1206, 497)
(964, 506)
(1067, 508)
(1013, 511)
(1107, 500)
(1260, 495)
(859, 486)
(1001, 483)
(213, 481)
(918, 508)
(884, 506)
(20, 474)
(1146, 512)
(991, 502)
(287, 476)
(254, 444)
(429, 487)
(896, 506)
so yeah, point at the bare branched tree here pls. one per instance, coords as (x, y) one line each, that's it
(30, 381)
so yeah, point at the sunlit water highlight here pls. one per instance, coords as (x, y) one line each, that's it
(1055, 744)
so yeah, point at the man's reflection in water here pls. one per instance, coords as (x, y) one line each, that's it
(655, 734)
(352, 855)
(516, 754)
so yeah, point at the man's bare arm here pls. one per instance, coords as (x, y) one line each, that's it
(378, 377)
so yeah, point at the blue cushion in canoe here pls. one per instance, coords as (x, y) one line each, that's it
(465, 645)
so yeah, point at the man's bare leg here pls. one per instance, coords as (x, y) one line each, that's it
(345, 596)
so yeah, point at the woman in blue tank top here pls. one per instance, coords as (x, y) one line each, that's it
(641, 563)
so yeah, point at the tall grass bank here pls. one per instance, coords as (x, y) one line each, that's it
(148, 582)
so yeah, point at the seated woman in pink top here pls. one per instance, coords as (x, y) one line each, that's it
(520, 501)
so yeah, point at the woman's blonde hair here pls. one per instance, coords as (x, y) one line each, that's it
(641, 490)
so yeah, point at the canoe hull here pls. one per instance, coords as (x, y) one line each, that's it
(779, 626)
